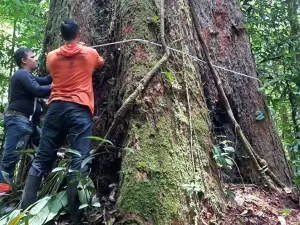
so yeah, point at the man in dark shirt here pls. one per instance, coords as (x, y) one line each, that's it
(19, 120)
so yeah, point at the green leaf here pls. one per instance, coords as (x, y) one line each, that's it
(40, 218)
(86, 161)
(84, 194)
(217, 151)
(169, 76)
(56, 204)
(286, 212)
(229, 149)
(16, 220)
(75, 152)
(92, 189)
(97, 204)
(229, 161)
(83, 206)
(27, 151)
(37, 207)
(100, 139)
(156, 19)
(57, 169)
(8, 217)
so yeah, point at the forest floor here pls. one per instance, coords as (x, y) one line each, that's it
(247, 205)
(253, 205)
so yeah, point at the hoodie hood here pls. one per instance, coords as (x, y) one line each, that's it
(70, 50)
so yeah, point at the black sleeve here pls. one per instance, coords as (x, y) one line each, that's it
(32, 86)
(44, 80)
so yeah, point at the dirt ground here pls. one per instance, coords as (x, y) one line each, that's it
(252, 205)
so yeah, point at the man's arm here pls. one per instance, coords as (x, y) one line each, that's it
(32, 86)
(99, 60)
(44, 80)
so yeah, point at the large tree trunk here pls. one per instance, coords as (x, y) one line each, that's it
(228, 43)
(168, 127)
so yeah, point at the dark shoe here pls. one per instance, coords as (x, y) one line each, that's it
(30, 191)
(73, 199)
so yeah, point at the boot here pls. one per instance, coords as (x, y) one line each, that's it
(73, 199)
(30, 191)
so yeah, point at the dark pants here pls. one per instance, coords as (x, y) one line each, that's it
(18, 131)
(63, 119)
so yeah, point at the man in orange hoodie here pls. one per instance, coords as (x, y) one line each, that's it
(71, 106)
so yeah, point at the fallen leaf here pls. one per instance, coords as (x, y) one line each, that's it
(246, 212)
(239, 200)
(259, 213)
(287, 190)
(281, 220)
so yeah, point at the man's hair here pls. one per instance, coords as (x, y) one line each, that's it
(20, 54)
(69, 30)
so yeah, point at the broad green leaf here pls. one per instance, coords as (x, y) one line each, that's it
(56, 204)
(16, 220)
(38, 206)
(7, 218)
(41, 217)
(84, 194)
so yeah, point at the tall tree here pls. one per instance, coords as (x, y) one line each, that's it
(228, 44)
(167, 174)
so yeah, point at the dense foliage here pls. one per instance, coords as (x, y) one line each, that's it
(22, 24)
(273, 27)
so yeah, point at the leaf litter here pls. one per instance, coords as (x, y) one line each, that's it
(252, 205)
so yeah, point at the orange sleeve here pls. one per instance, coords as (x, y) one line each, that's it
(47, 62)
(99, 60)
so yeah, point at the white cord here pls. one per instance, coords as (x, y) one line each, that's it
(175, 50)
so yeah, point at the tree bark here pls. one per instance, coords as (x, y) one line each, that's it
(228, 44)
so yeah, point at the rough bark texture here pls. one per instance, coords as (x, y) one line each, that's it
(168, 127)
(228, 43)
